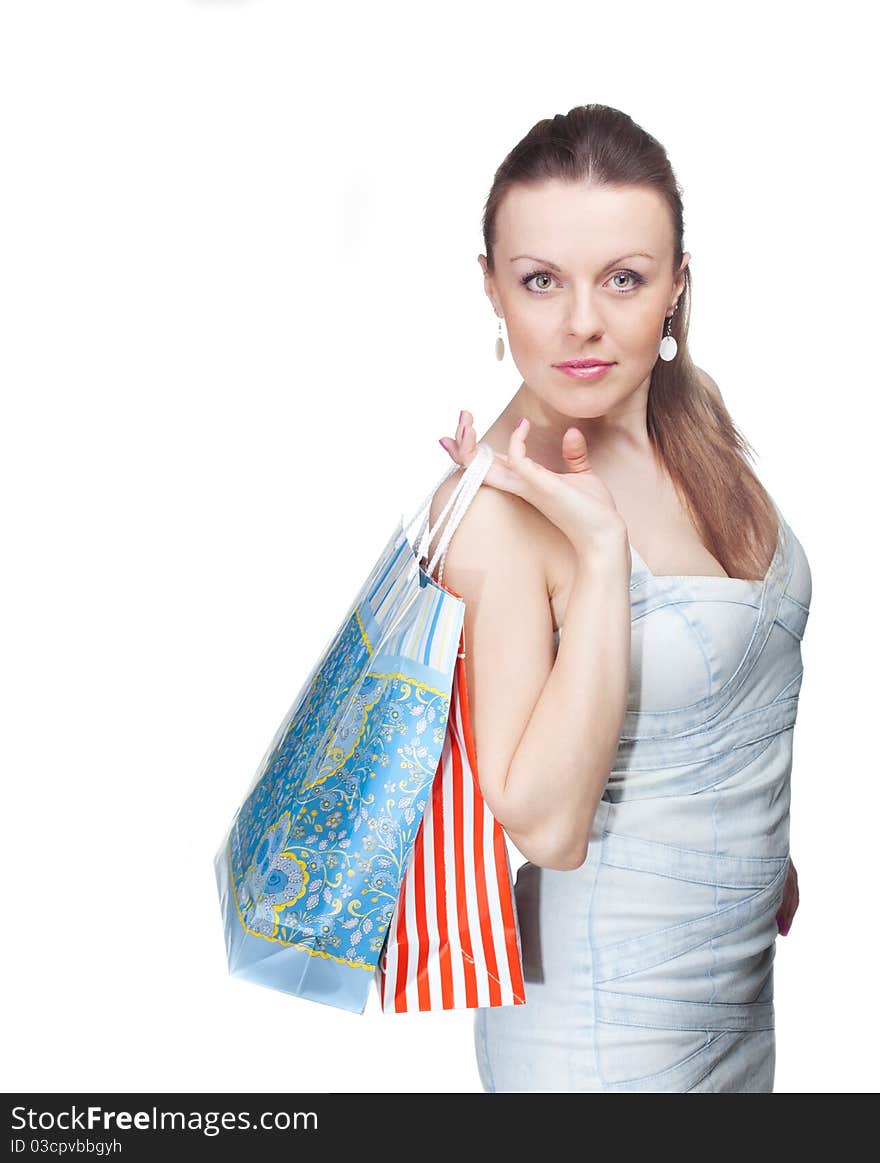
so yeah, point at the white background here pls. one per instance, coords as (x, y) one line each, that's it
(240, 303)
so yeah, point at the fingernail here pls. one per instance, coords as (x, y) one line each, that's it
(520, 421)
(442, 444)
(461, 413)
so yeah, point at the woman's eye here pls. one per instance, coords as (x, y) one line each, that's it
(637, 280)
(526, 279)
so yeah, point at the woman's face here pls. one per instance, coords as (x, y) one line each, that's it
(571, 284)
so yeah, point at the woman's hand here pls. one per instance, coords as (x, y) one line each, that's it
(790, 900)
(576, 501)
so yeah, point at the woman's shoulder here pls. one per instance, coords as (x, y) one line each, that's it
(490, 510)
(500, 528)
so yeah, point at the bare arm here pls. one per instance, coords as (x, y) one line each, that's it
(545, 731)
(568, 748)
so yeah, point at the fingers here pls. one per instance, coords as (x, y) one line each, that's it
(527, 474)
(516, 445)
(574, 451)
(460, 448)
(467, 440)
(530, 470)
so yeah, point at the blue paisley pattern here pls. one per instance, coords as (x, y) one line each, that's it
(320, 846)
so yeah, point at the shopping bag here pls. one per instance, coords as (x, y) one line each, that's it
(454, 939)
(310, 870)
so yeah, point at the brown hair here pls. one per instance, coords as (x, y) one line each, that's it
(693, 435)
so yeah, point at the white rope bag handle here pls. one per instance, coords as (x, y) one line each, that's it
(459, 500)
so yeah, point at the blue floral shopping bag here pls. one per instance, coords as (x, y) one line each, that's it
(311, 868)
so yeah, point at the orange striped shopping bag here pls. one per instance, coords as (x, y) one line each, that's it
(454, 941)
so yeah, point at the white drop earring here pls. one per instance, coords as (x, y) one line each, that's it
(499, 344)
(668, 344)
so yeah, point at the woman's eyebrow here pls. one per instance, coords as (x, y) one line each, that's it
(614, 261)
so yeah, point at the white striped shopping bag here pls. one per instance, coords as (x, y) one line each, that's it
(454, 941)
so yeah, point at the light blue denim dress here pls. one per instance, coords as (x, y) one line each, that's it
(650, 967)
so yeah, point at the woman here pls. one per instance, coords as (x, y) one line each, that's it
(633, 709)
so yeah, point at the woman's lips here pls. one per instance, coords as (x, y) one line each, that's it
(585, 373)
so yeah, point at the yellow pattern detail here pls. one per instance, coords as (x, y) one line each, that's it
(275, 940)
(419, 686)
